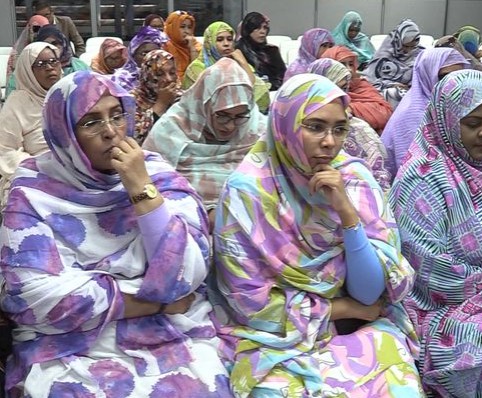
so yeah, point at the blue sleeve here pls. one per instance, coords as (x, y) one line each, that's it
(365, 279)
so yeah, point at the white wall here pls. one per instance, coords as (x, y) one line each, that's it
(7, 23)
(435, 17)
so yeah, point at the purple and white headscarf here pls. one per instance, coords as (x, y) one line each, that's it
(128, 75)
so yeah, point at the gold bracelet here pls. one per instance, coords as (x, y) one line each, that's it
(353, 226)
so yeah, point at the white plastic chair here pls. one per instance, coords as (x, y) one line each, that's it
(426, 41)
(3, 73)
(200, 39)
(92, 45)
(5, 50)
(87, 57)
(276, 40)
(292, 54)
(377, 40)
(287, 46)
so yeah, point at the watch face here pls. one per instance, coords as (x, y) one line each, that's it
(151, 191)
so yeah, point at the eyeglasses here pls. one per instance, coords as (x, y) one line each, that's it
(339, 133)
(96, 126)
(43, 63)
(35, 28)
(237, 120)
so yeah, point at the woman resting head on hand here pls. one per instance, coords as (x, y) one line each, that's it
(101, 243)
(303, 242)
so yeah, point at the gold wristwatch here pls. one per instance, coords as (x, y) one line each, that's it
(150, 192)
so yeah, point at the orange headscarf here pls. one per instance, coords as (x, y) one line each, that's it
(108, 47)
(176, 44)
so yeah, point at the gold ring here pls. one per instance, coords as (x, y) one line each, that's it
(117, 154)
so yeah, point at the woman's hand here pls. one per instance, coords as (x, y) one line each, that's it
(128, 161)
(348, 308)
(329, 181)
(166, 96)
(180, 306)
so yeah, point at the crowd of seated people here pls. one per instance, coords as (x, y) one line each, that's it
(196, 219)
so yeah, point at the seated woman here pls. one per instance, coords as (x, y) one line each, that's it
(104, 251)
(430, 67)
(390, 70)
(38, 68)
(218, 43)
(209, 131)
(303, 239)
(362, 141)
(146, 40)
(451, 42)
(154, 21)
(112, 55)
(182, 43)
(51, 34)
(366, 101)
(158, 89)
(437, 203)
(348, 34)
(263, 57)
(28, 35)
(313, 45)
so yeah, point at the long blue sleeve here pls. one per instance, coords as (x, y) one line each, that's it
(365, 280)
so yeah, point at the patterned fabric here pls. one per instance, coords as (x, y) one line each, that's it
(128, 76)
(185, 135)
(366, 101)
(71, 246)
(209, 55)
(437, 201)
(146, 93)
(362, 141)
(26, 37)
(391, 66)
(310, 45)
(108, 48)
(263, 57)
(451, 42)
(401, 128)
(279, 261)
(469, 37)
(21, 118)
(176, 44)
(360, 44)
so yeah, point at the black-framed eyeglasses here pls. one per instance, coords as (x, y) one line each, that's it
(36, 28)
(43, 63)
(237, 120)
(98, 125)
(339, 133)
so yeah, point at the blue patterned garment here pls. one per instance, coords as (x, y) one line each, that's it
(71, 247)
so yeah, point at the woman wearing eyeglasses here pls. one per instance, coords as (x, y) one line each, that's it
(308, 262)
(362, 141)
(207, 133)
(104, 251)
(38, 68)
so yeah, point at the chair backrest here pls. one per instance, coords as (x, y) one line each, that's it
(291, 55)
(287, 46)
(276, 40)
(87, 57)
(92, 45)
(426, 41)
(377, 40)
(200, 39)
(5, 50)
(3, 73)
